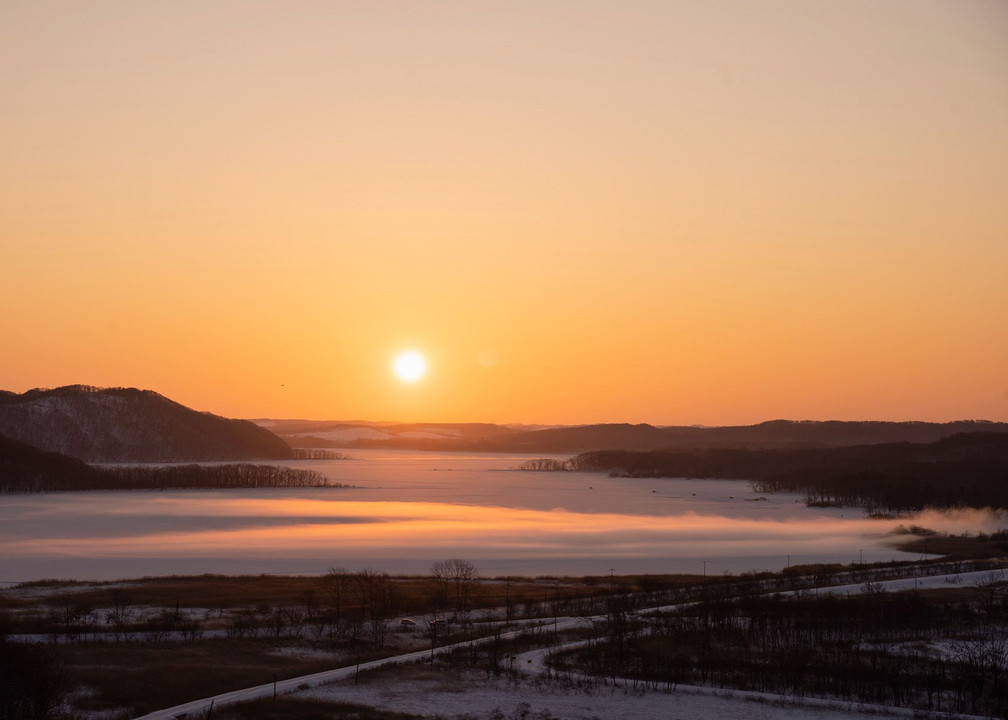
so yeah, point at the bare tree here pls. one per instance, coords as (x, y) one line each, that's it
(120, 614)
(455, 579)
(336, 583)
(377, 600)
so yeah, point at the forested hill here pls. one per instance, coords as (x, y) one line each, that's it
(968, 469)
(130, 425)
(25, 469)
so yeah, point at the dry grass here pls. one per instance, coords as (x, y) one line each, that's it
(137, 677)
(201, 591)
(143, 678)
(414, 595)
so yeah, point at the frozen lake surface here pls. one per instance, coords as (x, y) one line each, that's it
(407, 509)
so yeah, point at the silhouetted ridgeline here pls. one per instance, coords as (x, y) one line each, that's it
(619, 436)
(969, 469)
(784, 434)
(24, 469)
(130, 425)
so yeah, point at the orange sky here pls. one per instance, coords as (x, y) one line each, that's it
(703, 212)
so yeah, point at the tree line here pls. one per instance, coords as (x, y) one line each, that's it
(25, 469)
(968, 469)
(314, 453)
(228, 476)
(359, 607)
(862, 648)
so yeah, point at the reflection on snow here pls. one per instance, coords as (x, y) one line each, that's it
(406, 510)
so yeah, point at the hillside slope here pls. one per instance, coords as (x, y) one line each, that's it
(964, 470)
(24, 468)
(130, 425)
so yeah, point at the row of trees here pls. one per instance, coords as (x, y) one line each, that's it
(360, 606)
(226, 476)
(370, 600)
(906, 487)
(171, 477)
(545, 465)
(364, 604)
(75, 621)
(863, 648)
(314, 453)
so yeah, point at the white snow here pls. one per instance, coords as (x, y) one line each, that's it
(446, 696)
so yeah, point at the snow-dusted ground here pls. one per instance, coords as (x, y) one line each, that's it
(923, 582)
(402, 684)
(404, 690)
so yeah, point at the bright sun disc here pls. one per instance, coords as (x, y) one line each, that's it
(410, 366)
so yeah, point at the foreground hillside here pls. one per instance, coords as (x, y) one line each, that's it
(130, 425)
(920, 639)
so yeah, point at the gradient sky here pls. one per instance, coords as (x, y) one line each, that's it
(665, 212)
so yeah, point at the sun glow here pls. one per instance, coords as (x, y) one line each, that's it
(410, 366)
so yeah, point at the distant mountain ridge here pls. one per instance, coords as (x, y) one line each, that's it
(130, 425)
(618, 436)
(770, 434)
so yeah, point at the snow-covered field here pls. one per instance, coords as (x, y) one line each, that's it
(434, 695)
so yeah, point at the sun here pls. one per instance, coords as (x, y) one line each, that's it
(410, 366)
